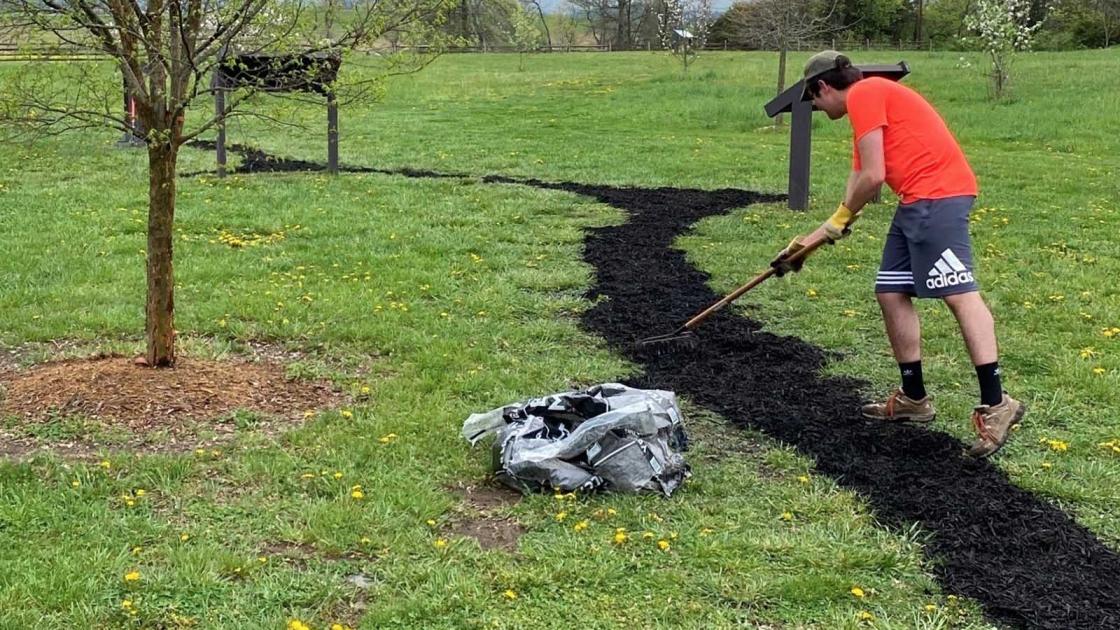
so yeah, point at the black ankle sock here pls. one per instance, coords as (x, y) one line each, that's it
(912, 384)
(991, 390)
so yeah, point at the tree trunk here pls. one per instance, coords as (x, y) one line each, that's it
(160, 320)
(464, 24)
(620, 32)
(918, 23)
(544, 23)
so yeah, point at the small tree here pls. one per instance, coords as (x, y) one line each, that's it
(531, 5)
(780, 25)
(1108, 12)
(167, 52)
(1004, 29)
(524, 34)
(683, 27)
(567, 29)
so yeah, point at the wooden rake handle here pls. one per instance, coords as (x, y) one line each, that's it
(757, 280)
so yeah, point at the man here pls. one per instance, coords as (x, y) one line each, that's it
(901, 140)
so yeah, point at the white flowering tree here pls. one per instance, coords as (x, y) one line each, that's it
(683, 27)
(167, 52)
(1004, 29)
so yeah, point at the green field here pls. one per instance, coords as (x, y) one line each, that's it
(447, 296)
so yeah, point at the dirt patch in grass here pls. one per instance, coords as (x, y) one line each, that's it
(78, 405)
(482, 523)
(488, 498)
(491, 533)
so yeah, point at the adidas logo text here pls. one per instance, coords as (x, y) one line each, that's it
(948, 271)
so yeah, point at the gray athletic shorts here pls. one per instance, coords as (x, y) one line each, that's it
(928, 252)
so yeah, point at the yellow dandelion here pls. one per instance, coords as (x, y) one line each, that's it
(930, 608)
(296, 624)
(648, 535)
(132, 576)
(787, 516)
(75, 483)
(440, 543)
(620, 537)
(510, 594)
(308, 414)
(580, 526)
(387, 439)
(1058, 446)
(560, 516)
(1098, 370)
(337, 475)
(137, 550)
(611, 511)
(140, 492)
(707, 531)
(106, 464)
(346, 413)
(858, 592)
(431, 522)
(357, 495)
(1047, 465)
(365, 540)
(663, 545)
(364, 391)
(1088, 352)
(184, 537)
(866, 616)
(803, 479)
(262, 559)
(811, 293)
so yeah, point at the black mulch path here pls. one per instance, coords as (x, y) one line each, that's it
(1025, 561)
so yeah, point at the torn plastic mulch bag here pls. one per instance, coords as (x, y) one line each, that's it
(609, 437)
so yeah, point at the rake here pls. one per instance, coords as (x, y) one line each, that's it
(686, 330)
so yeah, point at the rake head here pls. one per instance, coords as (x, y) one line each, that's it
(679, 338)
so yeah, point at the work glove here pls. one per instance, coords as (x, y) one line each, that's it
(782, 265)
(840, 223)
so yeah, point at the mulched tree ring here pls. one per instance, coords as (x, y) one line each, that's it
(116, 394)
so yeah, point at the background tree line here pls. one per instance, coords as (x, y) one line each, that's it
(749, 24)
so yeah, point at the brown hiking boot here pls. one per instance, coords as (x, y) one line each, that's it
(993, 424)
(898, 407)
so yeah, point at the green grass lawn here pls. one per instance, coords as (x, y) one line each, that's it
(452, 296)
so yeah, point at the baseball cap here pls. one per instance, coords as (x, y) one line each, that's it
(820, 63)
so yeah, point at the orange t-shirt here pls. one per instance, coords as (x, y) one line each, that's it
(922, 158)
